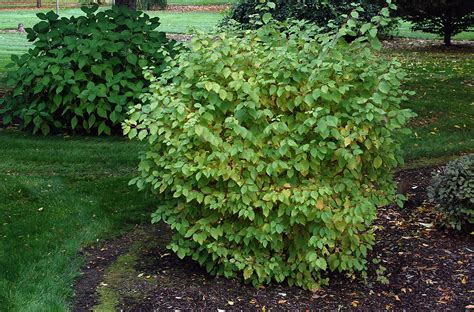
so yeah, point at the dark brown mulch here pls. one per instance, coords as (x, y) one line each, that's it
(98, 258)
(169, 8)
(180, 37)
(428, 267)
(427, 45)
(197, 8)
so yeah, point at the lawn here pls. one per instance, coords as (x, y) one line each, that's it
(172, 22)
(51, 4)
(10, 44)
(444, 102)
(404, 31)
(58, 194)
(61, 193)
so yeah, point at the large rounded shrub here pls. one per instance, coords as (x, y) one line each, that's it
(271, 149)
(83, 73)
(319, 12)
(452, 191)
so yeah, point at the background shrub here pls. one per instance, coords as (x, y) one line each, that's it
(271, 149)
(152, 4)
(319, 12)
(83, 72)
(452, 191)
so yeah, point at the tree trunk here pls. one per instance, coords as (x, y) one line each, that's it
(38, 4)
(448, 29)
(447, 38)
(131, 4)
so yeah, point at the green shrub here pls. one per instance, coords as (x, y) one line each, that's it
(452, 191)
(319, 12)
(152, 4)
(271, 149)
(83, 72)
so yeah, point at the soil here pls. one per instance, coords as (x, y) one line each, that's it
(428, 268)
(180, 37)
(426, 45)
(99, 257)
(169, 8)
(197, 8)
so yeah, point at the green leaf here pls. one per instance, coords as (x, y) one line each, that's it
(384, 87)
(142, 134)
(266, 18)
(321, 263)
(132, 59)
(248, 272)
(377, 162)
(96, 70)
(74, 122)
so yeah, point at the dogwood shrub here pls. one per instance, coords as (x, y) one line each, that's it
(271, 149)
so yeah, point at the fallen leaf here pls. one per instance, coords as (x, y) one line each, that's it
(427, 225)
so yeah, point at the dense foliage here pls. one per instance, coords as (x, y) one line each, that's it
(452, 191)
(441, 17)
(319, 12)
(152, 4)
(270, 150)
(83, 72)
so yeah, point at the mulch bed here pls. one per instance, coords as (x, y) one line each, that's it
(426, 45)
(169, 8)
(197, 8)
(428, 267)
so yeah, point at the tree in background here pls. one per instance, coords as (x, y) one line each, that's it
(142, 4)
(443, 17)
(131, 4)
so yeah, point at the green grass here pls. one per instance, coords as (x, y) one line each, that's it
(58, 194)
(10, 44)
(172, 22)
(404, 31)
(444, 102)
(32, 3)
(176, 22)
(52, 4)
